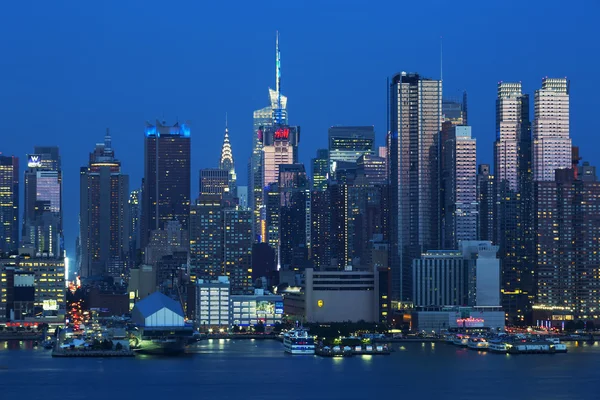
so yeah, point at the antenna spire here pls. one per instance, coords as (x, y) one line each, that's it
(226, 126)
(441, 58)
(278, 78)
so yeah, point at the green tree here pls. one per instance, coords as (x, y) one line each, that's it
(580, 324)
(96, 345)
(570, 326)
(589, 325)
(119, 347)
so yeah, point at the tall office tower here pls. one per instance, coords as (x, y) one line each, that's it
(415, 110)
(460, 178)
(454, 109)
(42, 216)
(320, 228)
(320, 170)
(551, 140)
(280, 146)
(263, 118)
(340, 234)
(226, 163)
(368, 209)
(103, 212)
(567, 222)
(166, 191)
(348, 143)
(486, 201)
(206, 237)
(9, 203)
(512, 185)
(372, 168)
(294, 193)
(135, 213)
(214, 181)
(382, 152)
(237, 247)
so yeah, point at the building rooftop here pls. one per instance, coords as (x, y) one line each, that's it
(157, 301)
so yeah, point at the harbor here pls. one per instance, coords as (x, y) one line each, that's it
(508, 344)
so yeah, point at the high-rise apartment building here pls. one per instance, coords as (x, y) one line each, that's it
(226, 163)
(237, 247)
(166, 191)
(551, 140)
(104, 213)
(135, 213)
(460, 179)
(294, 193)
(486, 200)
(320, 170)
(415, 109)
(348, 143)
(320, 220)
(206, 237)
(567, 222)
(9, 203)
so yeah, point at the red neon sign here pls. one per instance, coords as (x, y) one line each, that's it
(282, 133)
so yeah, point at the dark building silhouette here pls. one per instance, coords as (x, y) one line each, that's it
(9, 203)
(166, 190)
(294, 230)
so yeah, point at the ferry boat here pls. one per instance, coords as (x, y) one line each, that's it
(497, 346)
(477, 343)
(560, 347)
(297, 341)
(461, 340)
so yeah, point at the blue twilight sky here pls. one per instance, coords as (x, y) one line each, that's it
(70, 69)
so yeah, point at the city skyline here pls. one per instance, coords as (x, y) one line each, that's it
(87, 118)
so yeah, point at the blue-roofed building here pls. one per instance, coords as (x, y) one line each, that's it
(158, 310)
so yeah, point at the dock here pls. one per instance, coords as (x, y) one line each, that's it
(353, 351)
(92, 353)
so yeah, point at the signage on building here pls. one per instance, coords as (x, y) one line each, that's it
(50, 305)
(279, 307)
(282, 133)
(34, 161)
(470, 322)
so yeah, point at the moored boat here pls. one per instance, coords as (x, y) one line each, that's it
(477, 343)
(461, 340)
(297, 341)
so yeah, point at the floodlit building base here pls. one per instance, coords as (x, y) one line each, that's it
(438, 319)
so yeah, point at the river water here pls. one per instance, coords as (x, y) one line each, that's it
(249, 369)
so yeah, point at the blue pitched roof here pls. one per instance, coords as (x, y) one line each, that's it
(155, 302)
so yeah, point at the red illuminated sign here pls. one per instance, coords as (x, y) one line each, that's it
(282, 133)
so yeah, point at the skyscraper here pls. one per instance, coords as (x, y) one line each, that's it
(42, 216)
(206, 237)
(551, 140)
(372, 168)
(104, 213)
(166, 191)
(567, 221)
(135, 212)
(512, 217)
(9, 203)
(486, 200)
(294, 193)
(320, 169)
(460, 178)
(263, 118)
(320, 210)
(226, 163)
(415, 109)
(348, 143)
(214, 181)
(280, 146)
(237, 247)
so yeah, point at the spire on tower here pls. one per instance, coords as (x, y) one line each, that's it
(278, 79)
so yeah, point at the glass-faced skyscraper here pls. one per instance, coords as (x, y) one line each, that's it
(348, 143)
(320, 170)
(9, 203)
(166, 191)
(42, 215)
(415, 109)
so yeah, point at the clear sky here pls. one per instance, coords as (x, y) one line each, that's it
(70, 69)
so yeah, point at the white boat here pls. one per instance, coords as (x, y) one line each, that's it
(560, 347)
(297, 341)
(461, 340)
(553, 340)
(477, 343)
(497, 346)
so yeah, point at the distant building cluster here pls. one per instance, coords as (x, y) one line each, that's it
(414, 232)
